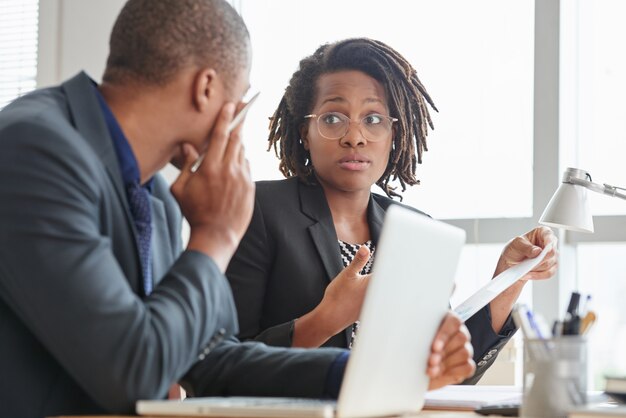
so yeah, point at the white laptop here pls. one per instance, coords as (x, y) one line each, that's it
(412, 278)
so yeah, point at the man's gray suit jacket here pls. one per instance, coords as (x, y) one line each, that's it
(75, 337)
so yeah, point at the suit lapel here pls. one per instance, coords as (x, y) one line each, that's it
(88, 120)
(375, 218)
(90, 123)
(314, 205)
(162, 252)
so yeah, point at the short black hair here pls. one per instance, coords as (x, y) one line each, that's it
(407, 99)
(153, 39)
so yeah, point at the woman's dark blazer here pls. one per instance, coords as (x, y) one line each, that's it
(290, 254)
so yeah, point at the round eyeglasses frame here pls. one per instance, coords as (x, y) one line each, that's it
(347, 121)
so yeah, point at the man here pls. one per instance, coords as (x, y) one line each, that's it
(99, 305)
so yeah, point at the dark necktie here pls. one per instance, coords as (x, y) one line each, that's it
(139, 200)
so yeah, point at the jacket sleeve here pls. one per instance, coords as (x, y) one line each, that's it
(60, 276)
(248, 273)
(254, 369)
(486, 343)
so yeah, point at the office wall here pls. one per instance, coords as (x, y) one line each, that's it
(74, 36)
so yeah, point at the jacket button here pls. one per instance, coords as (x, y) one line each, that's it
(492, 352)
(481, 363)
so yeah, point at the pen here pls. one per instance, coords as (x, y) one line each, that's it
(585, 306)
(534, 325)
(587, 322)
(574, 300)
(521, 320)
(525, 320)
(571, 325)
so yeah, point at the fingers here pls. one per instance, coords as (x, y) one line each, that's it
(530, 245)
(190, 155)
(545, 236)
(455, 369)
(219, 135)
(525, 247)
(541, 237)
(360, 260)
(234, 146)
(453, 363)
(457, 365)
(450, 325)
(545, 270)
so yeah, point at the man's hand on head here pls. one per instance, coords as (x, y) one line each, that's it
(218, 198)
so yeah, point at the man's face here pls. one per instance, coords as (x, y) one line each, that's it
(222, 91)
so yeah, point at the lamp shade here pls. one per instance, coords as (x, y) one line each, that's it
(568, 209)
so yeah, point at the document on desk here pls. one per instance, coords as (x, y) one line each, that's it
(470, 397)
(497, 285)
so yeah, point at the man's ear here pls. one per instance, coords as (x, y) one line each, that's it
(205, 84)
(304, 136)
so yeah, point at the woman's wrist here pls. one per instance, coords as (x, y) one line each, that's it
(313, 329)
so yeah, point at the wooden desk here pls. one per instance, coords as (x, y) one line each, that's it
(423, 414)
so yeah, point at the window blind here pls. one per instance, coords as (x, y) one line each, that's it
(18, 48)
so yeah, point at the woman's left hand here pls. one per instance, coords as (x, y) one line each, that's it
(527, 246)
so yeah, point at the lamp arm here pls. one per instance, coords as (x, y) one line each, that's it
(600, 188)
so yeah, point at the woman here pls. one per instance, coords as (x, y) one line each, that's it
(354, 114)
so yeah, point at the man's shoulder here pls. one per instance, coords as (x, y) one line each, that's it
(36, 117)
(36, 106)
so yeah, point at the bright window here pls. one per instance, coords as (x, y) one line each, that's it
(594, 80)
(18, 48)
(601, 273)
(592, 127)
(476, 60)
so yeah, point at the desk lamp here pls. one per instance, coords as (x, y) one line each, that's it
(569, 207)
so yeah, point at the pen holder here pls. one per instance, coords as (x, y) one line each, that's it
(555, 376)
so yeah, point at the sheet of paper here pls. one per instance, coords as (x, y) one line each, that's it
(470, 397)
(497, 285)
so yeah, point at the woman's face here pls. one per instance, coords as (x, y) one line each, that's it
(351, 163)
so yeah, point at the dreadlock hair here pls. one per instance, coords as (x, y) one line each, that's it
(152, 41)
(406, 96)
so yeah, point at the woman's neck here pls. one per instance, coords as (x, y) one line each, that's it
(349, 212)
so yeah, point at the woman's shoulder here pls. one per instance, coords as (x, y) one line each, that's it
(384, 202)
(274, 186)
(277, 193)
(268, 191)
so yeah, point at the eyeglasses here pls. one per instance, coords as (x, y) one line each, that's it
(334, 125)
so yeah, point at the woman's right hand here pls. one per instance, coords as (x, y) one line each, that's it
(344, 295)
(340, 307)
